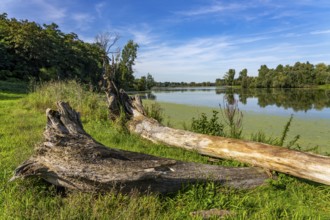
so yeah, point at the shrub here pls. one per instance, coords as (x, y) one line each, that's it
(210, 126)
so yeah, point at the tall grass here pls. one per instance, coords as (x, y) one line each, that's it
(232, 116)
(91, 105)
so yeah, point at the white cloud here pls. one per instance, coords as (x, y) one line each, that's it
(82, 20)
(142, 34)
(320, 32)
(42, 11)
(216, 7)
(51, 11)
(208, 58)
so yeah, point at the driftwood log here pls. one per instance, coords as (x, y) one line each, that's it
(71, 158)
(296, 163)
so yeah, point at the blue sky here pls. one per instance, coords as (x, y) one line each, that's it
(196, 40)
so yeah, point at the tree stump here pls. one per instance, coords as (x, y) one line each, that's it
(71, 158)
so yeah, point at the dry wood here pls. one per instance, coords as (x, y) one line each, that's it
(300, 164)
(71, 158)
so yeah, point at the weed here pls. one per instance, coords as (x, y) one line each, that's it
(155, 111)
(285, 131)
(210, 126)
(232, 116)
(262, 138)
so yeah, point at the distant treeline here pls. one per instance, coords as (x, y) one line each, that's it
(31, 51)
(184, 84)
(296, 76)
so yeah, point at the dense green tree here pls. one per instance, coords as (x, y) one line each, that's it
(29, 50)
(140, 84)
(150, 81)
(264, 79)
(298, 75)
(229, 77)
(124, 74)
(243, 78)
(322, 75)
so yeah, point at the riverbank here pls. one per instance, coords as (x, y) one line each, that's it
(313, 132)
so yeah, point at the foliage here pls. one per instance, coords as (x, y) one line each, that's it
(184, 84)
(229, 77)
(123, 66)
(231, 115)
(155, 111)
(13, 87)
(144, 83)
(296, 76)
(243, 79)
(210, 126)
(45, 53)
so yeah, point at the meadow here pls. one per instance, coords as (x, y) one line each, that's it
(22, 118)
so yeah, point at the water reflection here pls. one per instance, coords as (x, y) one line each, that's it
(145, 95)
(297, 99)
(269, 101)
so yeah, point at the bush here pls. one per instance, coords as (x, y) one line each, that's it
(210, 126)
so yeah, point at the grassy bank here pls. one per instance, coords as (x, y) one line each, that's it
(22, 122)
(313, 132)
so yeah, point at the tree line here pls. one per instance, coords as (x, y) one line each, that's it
(295, 76)
(43, 52)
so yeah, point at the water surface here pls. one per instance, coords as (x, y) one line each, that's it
(306, 103)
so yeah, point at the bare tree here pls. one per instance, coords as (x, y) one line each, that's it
(107, 42)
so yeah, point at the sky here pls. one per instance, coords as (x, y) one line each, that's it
(195, 40)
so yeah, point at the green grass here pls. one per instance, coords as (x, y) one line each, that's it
(22, 124)
(326, 86)
(313, 132)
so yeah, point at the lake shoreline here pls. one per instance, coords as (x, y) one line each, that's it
(313, 132)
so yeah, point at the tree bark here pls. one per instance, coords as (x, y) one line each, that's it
(71, 158)
(296, 163)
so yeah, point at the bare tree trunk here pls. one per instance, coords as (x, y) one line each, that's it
(300, 164)
(71, 158)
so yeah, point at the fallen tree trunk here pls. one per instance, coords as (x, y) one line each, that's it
(300, 164)
(71, 158)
